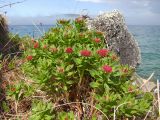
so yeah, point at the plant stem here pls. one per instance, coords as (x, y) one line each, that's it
(116, 109)
(81, 78)
(16, 106)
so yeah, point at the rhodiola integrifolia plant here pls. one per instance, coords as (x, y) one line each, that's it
(71, 62)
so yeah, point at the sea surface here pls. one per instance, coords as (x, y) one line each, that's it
(148, 38)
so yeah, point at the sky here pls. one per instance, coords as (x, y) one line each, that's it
(136, 12)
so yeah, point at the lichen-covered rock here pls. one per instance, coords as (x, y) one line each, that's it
(117, 36)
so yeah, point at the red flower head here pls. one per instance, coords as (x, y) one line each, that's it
(114, 57)
(107, 69)
(69, 50)
(13, 89)
(63, 21)
(85, 53)
(97, 40)
(29, 58)
(125, 70)
(102, 52)
(54, 49)
(79, 20)
(45, 46)
(130, 89)
(36, 45)
(81, 35)
(60, 70)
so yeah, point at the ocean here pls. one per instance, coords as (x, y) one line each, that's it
(148, 38)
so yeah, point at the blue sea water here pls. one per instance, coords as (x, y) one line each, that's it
(31, 30)
(148, 38)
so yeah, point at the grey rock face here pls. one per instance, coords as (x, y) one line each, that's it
(117, 36)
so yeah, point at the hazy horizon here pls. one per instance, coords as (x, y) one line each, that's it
(136, 12)
(51, 20)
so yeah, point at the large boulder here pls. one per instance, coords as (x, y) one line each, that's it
(117, 36)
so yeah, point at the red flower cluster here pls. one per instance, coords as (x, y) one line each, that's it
(29, 58)
(69, 50)
(79, 20)
(107, 69)
(45, 46)
(60, 70)
(36, 45)
(13, 89)
(103, 52)
(114, 57)
(125, 70)
(85, 53)
(130, 89)
(63, 21)
(54, 50)
(97, 40)
(81, 35)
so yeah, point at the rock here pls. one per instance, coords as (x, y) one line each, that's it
(3, 30)
(117, 36)
(4, 38)
(7, 45)
(144, 84)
